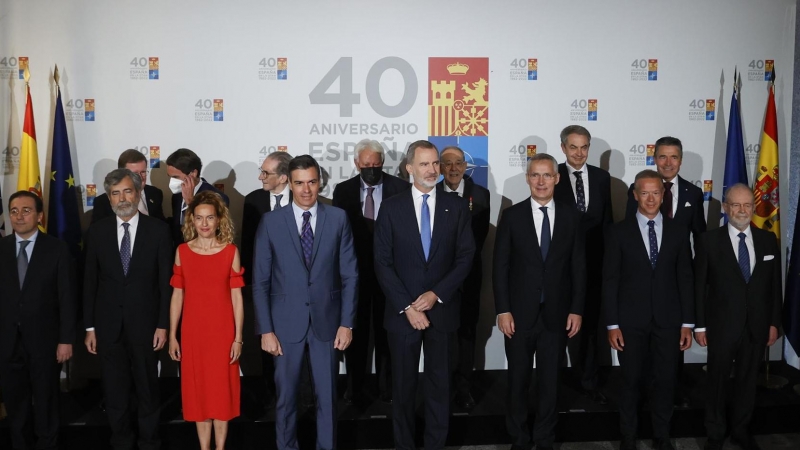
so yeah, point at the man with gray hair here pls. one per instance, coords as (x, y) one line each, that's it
(539, 289)
(126, 308)
(361, 197)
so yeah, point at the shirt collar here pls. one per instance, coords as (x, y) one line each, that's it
(642, 220)
(459, 189)
(734, 232)
(365, 186)
(298, 211)
(197, 186)
(134, 221)
(571, 170)
(416, 193)
(551, 205)
(30, 239)
(284, 192)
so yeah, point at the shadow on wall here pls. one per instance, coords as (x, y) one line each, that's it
(223, 177)
(613, 162)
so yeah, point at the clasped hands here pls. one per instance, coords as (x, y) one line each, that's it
(415, 313)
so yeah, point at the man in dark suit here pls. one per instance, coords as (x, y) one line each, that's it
(305, 295)
(126, 301)
(361, 197)
(38, 310)
(588, 189)
(151, 198)
(423, 253)
(539, 280)
(183, 168)
(454, 166)
(648, 299)
(682, 203)
(738, 294)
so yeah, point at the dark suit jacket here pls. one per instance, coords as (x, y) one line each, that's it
(520, 275)
(635, 294)
(477, 198)
(691, 217)
(347, 195)
(153, 198)
(594, 221)
(45, 309)
(288, 296)
(135, 304)
(256, 204)
(177, 199)
(726, 305)
(400, 265)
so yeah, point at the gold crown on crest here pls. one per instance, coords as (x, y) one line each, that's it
(457, 68)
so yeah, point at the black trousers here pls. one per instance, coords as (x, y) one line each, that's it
(28, 380)
(464, 350)
(549, 348)
(369, 316)
(583, 352)
(659, 346)
(721, 355)
(127, 366)
(406, 350)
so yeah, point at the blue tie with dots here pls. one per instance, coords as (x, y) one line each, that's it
(744, 258)
(307, 238)
(125, 249)
(653, 243)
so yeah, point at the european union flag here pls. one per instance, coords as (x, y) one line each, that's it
(63, 221)
(735, 170)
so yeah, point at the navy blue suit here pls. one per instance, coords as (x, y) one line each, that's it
(305, 306)
(404, 274)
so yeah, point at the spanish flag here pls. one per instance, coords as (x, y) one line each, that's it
(29, 179)
(765, 189)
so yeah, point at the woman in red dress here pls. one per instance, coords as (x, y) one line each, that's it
(207, 280)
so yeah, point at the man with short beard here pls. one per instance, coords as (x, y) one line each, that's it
(126, 308)
(738, 304)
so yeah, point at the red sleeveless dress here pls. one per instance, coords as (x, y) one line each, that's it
(210, 385)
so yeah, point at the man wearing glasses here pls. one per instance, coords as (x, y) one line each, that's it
(738, 312)
(539, 291)
(151, 198)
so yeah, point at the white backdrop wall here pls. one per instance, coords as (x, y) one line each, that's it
(361, 69)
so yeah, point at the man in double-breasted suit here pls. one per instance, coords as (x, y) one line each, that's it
(588, 189)
(361, 197)
(38, 310)
(648, 301)
(126, 301)
(423, 252)
(738, 304)
(305, 293)
(539, 280)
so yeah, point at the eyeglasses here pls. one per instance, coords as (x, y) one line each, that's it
(544, 176)
(449, 164)
(265, 173)
(24, 211)
(741, 205)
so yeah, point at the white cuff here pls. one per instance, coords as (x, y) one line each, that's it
(90, 329)
(612, 327)
(700, 330)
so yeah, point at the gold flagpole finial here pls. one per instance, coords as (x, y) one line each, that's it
(27, 75)
(55, 75)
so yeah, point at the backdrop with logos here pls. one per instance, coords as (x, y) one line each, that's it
(237, 81)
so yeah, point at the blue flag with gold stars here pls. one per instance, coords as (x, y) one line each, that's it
(63, 220)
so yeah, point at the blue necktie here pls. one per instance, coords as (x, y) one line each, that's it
(744, 258)
(125, 249)
(278, 202)
(425, 226)
(545, 240)
(579, 191)
(653, 243)
(307, 238)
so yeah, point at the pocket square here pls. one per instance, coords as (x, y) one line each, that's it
(769, 257)
(687, 204)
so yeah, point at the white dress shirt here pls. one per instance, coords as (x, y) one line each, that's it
(298, 217)
(32, 242)
(733, 233)
(459, 190)
(538, 217)
(377, 196)
(674, 191)
(644, 229)
(585, 177)
(134, 224)
(284, 199)
(417, 196)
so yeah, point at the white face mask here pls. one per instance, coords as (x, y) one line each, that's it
(175, 185)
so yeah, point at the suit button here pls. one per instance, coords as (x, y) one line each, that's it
(309, 283)
(306, 304)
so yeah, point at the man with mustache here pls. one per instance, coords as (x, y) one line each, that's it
(738, 295)
(126, 301)
(423, 252)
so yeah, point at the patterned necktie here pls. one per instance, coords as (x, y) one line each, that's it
(744, 258)
(278, 202)
(22, 261)
(545, 239)
(125, 249)
(307, 238)
(653, 243)
(425, 226)
(666, 206)
(369, 205)
(579, 192)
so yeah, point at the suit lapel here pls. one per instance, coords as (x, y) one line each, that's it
(10, 255)
(36, 258)
(564, 178)
(636, 233)
(758, 249)
(139, 242)
(556, 230)
(682, 197)
(410, 215)
(291, 224)
(531, 225)
(441, 217)
(320, 226)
